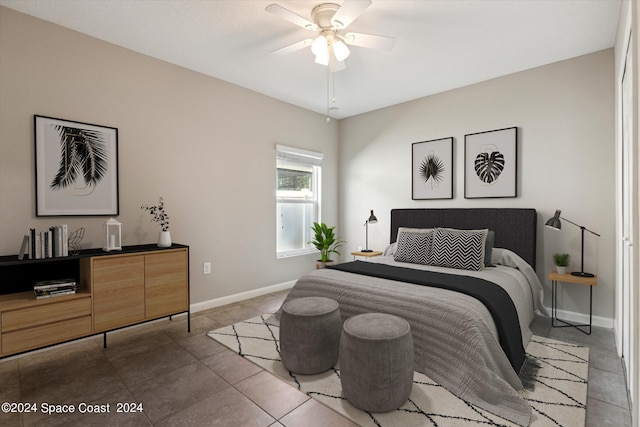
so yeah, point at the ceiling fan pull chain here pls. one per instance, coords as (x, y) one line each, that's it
(328, 93)
(333, 89)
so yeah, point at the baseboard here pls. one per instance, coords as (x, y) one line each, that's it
(230, 299)
(581, 318)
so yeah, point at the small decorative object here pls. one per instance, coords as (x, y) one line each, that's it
(490, 163)
(112, 235)
(158, 215)
(326, 242)
(372, 220)
(75, 237)
(561, 261)
(432, 169)
(556, 224)
(76, 168)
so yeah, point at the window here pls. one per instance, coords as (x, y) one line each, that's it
(297, 199)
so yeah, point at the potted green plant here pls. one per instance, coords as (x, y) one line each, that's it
(326, 242)
(561, 261)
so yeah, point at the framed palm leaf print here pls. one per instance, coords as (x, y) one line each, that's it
(76, 168)
(432, 169)
(490, 164)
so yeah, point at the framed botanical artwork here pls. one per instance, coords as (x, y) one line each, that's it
(432, 169)
(490, 163)
(76, 168)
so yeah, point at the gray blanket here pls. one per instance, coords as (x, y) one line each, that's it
(454, 335)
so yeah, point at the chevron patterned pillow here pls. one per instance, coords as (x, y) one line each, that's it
(414, 245)
(462, 249)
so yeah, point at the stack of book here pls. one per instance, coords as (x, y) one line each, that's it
(50, 243)
(54, 288)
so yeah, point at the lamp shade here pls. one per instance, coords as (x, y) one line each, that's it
(372, 218)
(554, 222)
(320, 49)
(323, 58)
(319, 46)
(340, 50)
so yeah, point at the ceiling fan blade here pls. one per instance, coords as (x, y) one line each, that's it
(369, 41)
(348, 12)
(294, 18)
(293, 47)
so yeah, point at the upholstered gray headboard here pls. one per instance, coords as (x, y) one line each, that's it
(515, 229)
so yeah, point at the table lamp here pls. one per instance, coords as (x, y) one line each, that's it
(372, 220)
(556, 224)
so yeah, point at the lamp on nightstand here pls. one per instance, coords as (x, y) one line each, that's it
(556, 224)
(372, 220)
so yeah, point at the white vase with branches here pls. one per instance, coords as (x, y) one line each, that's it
(160, 216)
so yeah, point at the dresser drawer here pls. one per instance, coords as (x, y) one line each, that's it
(43, 314)
(40, 336)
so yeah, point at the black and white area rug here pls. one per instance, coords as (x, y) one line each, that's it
(559, 398)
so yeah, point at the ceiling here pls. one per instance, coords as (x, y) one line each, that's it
(440, 44)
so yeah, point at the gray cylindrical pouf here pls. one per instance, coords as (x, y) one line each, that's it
(310, 331)
(376, 361)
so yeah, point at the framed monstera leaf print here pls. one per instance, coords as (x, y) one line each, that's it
(432, 169)
(490, 163)
(76, 168)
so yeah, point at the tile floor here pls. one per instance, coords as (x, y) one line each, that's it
(182, 378)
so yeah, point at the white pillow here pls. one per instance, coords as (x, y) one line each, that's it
(414, 245)
(390, 250)
(461, 249)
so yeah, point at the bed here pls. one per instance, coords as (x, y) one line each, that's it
(459, 341)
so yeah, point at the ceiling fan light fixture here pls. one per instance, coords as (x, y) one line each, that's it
(329, 20)
(340, 50)
(323, 59)
(322, 56)
(320, 46)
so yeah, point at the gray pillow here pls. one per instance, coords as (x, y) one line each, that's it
(488, 248)
(414, 245)
(461, 249)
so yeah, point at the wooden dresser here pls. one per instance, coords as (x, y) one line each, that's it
(116, 289)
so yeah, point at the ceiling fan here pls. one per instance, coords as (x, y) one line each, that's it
(329, 20)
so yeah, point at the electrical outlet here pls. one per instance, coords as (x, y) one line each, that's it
(206, 268)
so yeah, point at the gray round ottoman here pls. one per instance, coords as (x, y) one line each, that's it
(376, 361)
(310, 331)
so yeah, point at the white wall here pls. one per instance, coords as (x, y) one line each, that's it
(565, 118)
(206, 146)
